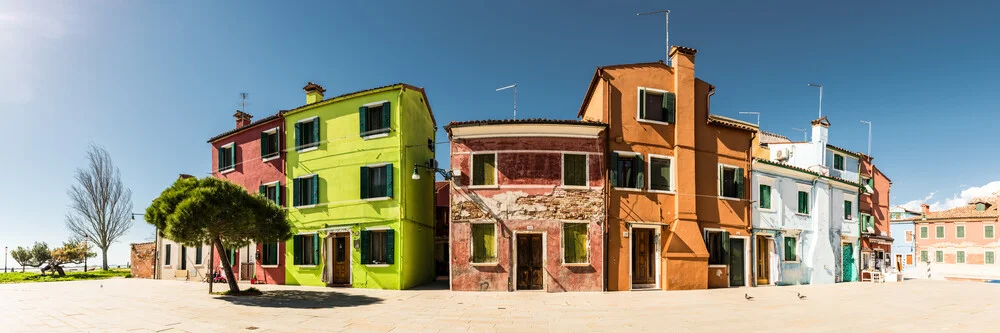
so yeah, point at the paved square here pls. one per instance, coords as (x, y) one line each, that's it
(135, 305)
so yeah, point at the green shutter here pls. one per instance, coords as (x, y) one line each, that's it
(765, 197)
(277, 195)
(960, 231)
(725, 247)
(298, 135)
(847, 209)
(640, 172)
(364, 183)
(739, 183)
(722, 187)
(362, 117)
(219, 152)
(315, 242)
(297, 249)
(315, 132)
(390, 246)
(386, 115)
(365, 244)
(263, 144)
(613, 169)
(232, 155)
(315, 190)
(198, 255)
(262, 190)
(642, 103)
(670, 107)
(990, 257)
(388, 180)
(988, 232)
(296, 198)
(923, 232)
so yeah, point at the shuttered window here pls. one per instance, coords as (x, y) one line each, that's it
(838, 162)
(790, 249)
(378, 247)
(657, 105)
(575, 169)
(484, 243)
(960, 231)
(376, 182)
(938, 256)
(305, 249)
(939, 231)
(375, 119)
(575, 243)
(659, 174)
(307, 133)
(990, 257)
(848, 210)
(960, 257)
(628, 171)
(765, 197)
(988, 232)
(923, 256)
(730, 182)
(198, 255)
(269, 144)
(269, 254)
(306, 190)
(717, 243)
(484, 169)
(272, 192)
(803, 202)
(227, 157)
(923, 232)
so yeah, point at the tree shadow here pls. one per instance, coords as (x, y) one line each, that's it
(302, 299)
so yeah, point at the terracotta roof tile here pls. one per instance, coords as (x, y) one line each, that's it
(726, 121)
(521, 121)
(251, 125)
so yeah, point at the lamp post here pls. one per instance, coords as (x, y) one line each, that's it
(869, 137)
(753, 112)
(5, 258)
(820, 86)
(515, 97)
(85, 252)
(804, 138)
(666, 30)
(447, 174)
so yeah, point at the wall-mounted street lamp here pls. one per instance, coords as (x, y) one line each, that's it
(134, 214)
(430, 165)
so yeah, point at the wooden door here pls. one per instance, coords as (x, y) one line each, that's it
(643, 262)
(341, 267)
(736, 263)
(763, 260)
(848, 263)
(529, 262)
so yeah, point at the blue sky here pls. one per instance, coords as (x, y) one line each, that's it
(151, 81)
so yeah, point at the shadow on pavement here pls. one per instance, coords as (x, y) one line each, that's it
(439, 284)
(301, 299)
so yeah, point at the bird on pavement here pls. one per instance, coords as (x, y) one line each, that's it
(748, 297)
(801, 296)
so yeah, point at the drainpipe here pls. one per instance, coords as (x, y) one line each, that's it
(402, 183)
(749, 215)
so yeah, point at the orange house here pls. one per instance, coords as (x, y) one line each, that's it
(679, 191)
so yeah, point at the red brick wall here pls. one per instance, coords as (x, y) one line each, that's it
(142, 260)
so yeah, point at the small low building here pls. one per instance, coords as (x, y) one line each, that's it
(959, 243)
(142, 260)
(527, 205)
(904, 243)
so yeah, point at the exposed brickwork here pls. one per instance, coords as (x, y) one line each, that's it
(524, 204)
(143, 260)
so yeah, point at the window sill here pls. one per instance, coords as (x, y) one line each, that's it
(574, 187)
(800, 214)
(484, 264)
(268, 266)
(474, 187)
(305, 207)
(377, 199)
(376, 135)
(307, 149)
(790, 261)
(579, 264)
(656, 122)
(269, 158)
(377, 265)
(767, 210)
(730, 198)
(718, 266)
(222, 172)
(306, 266)
(662, 191)
(628, 189)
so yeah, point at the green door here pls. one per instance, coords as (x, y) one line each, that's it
(736, 269)
(848, 262)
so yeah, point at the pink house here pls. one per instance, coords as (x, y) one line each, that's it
(959, 243)
(251, 156)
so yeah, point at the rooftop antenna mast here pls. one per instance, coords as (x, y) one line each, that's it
(515, 97)
(804, 138)
(243, 102)
(666, 30)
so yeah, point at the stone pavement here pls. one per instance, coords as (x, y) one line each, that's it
(136, 305)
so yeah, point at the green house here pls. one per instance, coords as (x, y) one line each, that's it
(361, 219)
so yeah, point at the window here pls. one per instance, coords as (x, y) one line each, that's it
(790, 249)
(484, 243)
(231, 254)
(838, 162)
(657, 105)
(376, 181)
(305, 250)
(938, 256)
(923, 256)
(270, 147)
(377, 247)
(227, 157)
(909, 236)
(867, 224)
(980, 207)
(717, 243)
(484, 169)
(272, 192)
(988, 231)
(909, 258)
(166, 256)
(730, 182)
(847, 210)
(574, 170)
(431, 144)
(575, 243)
(659, 174)
(627, 171)
(923, 232)
(939, 231)
(960, 231)
(306, 190)
(960, 257)
(375, 119)
(765, 197)
(307, 133)
(990, 257)
(269, 254)
(198, 255)
(870, 182)
(803, 203)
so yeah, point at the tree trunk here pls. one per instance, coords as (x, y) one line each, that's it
(227, 267)
(104, 258)
(211, 267)
(59, 269)
(22, 268)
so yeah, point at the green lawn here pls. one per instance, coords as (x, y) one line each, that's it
(70, 276)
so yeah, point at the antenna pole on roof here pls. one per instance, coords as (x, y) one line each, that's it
(666, 30)
(515, 97)
(243, 101)
(756, 113)
(804, 138)
(869, 137)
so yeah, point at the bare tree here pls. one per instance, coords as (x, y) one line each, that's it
(100, 205)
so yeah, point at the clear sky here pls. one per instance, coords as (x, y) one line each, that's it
(151, 81)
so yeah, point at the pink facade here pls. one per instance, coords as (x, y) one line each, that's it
(529, 206)
(251, 171)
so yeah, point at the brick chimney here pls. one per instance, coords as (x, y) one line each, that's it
(242, 118)
(925, 209)
(682, 59)
(314, 93)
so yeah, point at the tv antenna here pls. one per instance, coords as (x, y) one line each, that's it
(243, 102)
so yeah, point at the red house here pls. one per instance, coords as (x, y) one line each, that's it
(251, 156)
(876, 240)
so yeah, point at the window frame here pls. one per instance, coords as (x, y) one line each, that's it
(638, 106)
(908, 260)
(371, 236)
(843, 162)
(472, 170)
(263, 255)
(649, 174)
(472, 245)
(383, 196)
(296, 190)
(231, 167)
(380, 132)
(167, 253)
(277, 187)
(798, 209)
(628, 154)
(848, 215)
(994, 253)
(960, 257)
(993, 231)
(936, 253)
(562, 170)
(307, 147)
(925, 232)
(784, 247)
(909, 236)
(274, 155)
(721, 173)
(943, 232)
(760, 195)
(962, 225)
(925, 256)
(315, 261)
(562, 245)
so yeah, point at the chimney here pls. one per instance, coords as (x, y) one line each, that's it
(925, 209)
(682, 61)
(314, 93)
(820, 129)
(242, 118)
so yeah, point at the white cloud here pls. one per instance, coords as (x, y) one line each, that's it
(956, 200)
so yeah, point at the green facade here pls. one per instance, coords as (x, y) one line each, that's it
(344, 155)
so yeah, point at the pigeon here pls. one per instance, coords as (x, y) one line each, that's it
(801, 296)
(748, 297)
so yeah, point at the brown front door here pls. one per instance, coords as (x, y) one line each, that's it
(643, 257)
(763, 260)
(341, 269)
(529, 262)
